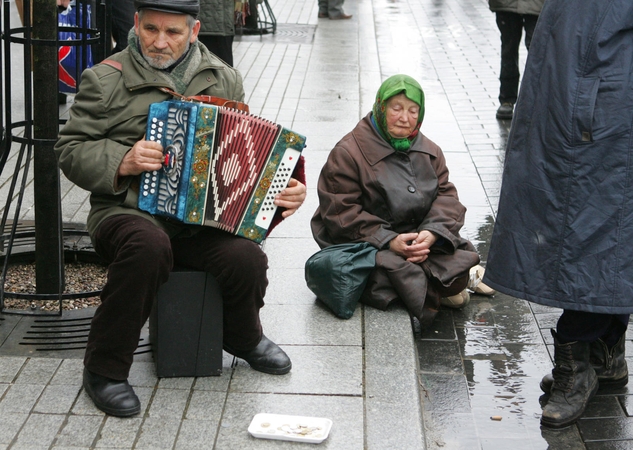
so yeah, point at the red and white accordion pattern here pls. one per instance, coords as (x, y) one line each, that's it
(222, 167)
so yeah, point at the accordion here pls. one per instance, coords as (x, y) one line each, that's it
(222, 167)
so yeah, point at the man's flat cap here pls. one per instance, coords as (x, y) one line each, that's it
(191, 7)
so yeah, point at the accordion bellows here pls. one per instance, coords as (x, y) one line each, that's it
(222, 167)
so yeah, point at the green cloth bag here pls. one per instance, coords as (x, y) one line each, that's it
(338, 274)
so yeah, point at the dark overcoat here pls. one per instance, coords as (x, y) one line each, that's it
(564, 230)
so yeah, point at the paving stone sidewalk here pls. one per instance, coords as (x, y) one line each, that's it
(360, 373)
(384, 384)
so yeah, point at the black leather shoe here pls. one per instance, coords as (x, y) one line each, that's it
(267, 357)
(505, 111)
(113, 397)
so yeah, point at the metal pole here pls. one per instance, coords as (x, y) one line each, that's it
(48, 223)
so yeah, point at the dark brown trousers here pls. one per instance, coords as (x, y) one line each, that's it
(140, 257)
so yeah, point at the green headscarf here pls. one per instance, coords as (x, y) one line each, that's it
(392, 86)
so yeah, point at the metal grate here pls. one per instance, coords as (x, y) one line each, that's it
(55, 337)
(75, 237)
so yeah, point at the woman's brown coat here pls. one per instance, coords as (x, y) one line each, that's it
(369, 192)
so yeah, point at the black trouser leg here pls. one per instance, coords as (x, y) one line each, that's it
(141, 257)
(122, 22)
(140, 260)
(221, 46)
(589, 327)
(529, 23)
(511, 27)
(239, 265)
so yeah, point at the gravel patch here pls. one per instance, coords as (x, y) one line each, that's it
(79, 277)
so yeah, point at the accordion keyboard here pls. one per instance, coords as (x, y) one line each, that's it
(222, 167)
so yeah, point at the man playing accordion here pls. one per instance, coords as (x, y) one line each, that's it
(102, 148)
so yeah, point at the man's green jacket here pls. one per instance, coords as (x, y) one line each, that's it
(110, 114)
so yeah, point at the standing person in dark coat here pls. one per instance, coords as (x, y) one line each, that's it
(565, 223)
(217, 27)
(513, 16)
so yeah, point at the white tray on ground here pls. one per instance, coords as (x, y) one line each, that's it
(313, 430)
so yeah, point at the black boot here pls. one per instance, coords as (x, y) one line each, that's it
(266, 357)
(609, 364)
(613, 372)
(113, 397)
(575, 383)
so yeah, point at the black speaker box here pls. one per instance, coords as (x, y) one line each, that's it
(185, 326)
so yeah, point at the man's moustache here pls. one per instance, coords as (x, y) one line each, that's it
(159, 52)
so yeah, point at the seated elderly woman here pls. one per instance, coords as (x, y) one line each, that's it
(387, 184)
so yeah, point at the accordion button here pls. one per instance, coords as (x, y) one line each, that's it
(145, 194)
(152, 191)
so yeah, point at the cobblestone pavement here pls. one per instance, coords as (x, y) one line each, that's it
(384, 386)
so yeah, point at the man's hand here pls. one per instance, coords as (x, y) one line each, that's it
(415, 247)
(144, 156)
(291, 197)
